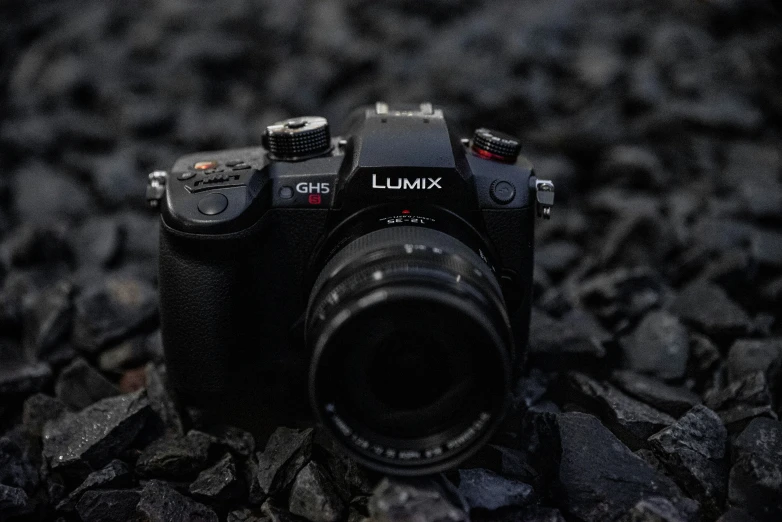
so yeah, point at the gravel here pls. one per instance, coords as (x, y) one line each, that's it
(652, 385)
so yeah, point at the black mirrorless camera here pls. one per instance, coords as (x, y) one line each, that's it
(381, 279)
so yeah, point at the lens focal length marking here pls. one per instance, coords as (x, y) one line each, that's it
(452, 445)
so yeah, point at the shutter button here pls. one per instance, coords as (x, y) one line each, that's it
(213, 204)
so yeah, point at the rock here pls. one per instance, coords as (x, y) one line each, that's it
(276, 513)
(659, 346)
(287, 451)
(161, 503)
(596, 477)
(705, 361)
(17, 469)
(694, 451)
(633, 166)
(707, 307)
(654, 509)
(557, 256)
(736, 515)
(40, 409)
(112, 310)
(756, 476)
(741, 401)
(245, 515)
(621, 294)
(44, 194)
(631, 421)
(572, 342)
(80, 385)
(13, 501)
(111, 505)
(161, 400)
(231, 438)
(116, 474)
(747, 356)
(97, 242)
(484, 489)
(398, 500)
(673, 400)
(314, 497)
(91, 438)
(47, 319)
(174, 457)
(23, 379)
(219, 484)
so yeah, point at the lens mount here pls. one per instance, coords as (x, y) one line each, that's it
(411, 350)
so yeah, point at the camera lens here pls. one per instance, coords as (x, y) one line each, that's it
(411, 348)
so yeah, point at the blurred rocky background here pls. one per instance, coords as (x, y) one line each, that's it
(654, 388)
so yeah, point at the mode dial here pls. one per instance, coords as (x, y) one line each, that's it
(495, 145)
(298, 138)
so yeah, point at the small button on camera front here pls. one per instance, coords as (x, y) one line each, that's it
(502, 191)
(286, 192)
(186, 175)
(212, 204)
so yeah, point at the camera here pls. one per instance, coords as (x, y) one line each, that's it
(380, 280)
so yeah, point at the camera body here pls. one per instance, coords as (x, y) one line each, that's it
(245, 234)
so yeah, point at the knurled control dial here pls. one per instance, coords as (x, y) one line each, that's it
(495, 145)
(298, 138)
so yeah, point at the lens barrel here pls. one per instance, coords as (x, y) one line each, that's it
(411, 350)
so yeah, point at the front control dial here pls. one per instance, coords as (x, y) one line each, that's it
(298, 138)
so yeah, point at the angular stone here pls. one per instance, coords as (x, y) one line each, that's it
(654, 509)
(13, 501)
(220, 483)
(398, 500)
(621, 293)
(314, 497)
(116, 474)
(246, 515)
(736, 515)
(659, 346)
(694, 451)
(673, 400)
(112, 310)
(80, 385)
(747, 356)
(161, 503)
(40, 409)
(174, 457)
(47, 318)
(707, 307)
(484, 489)
(17, 469)
(231, 438)
(597, 477)
(741, 401)
(630, 420)
(110, 505)
(756, 476)
(35, 245)
(97, 242)
(767, 248)
(23, 379)
(575, 340)
(91, 438)
(557, 256)
(162, 402)
(287, 451)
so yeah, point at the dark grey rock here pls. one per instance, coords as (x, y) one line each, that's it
(174, 457)
(557, 256)
(705, 361)
(23, 379)
(632, 166)
(659, 346)
(44, 194)
(47, 318)
(245, 515)
(40, 409)
(110, 505)
(767, 248)
(741, 401)
(161, 503)
(97, 242)
(17, 469)
(540, 514)
(91, 438)
(673, 400)
(220, 483)
(275, 513)
(80, 385)
(112, 310)
(484, 489)
(598, 477)
(736, 515)
(654, 509)
(13, 501)
(756, 476)
(747, 356)
(622, 293)
(397, 500)
(161, 401)
(630, 420)
(575, 340)
(287, 451)
(707, 307)
(314, 497)
(231, 438)
(694, 451)
(116, 474)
